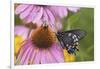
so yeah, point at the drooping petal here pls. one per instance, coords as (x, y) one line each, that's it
(37, 58)
(62, 12)
(51, 17)
(59, 25)
(21, 8)
(33, 54)
(50, 58)
(25, 56)
(46, 18)
(73, 9)
(26, 61)
(21, 53)
(39, 23)
(59, 11)
(39, 15)
(32, 15)
(57, 52)
(45, 15)
(43, 57)
(21, 31)
(30, 54)
(26, 12)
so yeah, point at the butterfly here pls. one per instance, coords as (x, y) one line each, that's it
(69, 40)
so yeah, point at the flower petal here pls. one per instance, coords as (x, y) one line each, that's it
(73, 9)
(59, 11)
(21, 8)
(49, 57)
(26, 12)
(21, 31)
(25, 55)
(34, 55)
(39, 15)
(59, 25)
(26, 61)
(21, 53)
(37, 57)
(62, 12)
(43, 57)
(32, 15)
(45, 15)
(57, 52)
(50, 16)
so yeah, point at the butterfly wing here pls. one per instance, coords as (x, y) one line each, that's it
(70, 39)
(79, 33)
(61, 41)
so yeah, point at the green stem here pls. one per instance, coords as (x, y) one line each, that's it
(68, 25)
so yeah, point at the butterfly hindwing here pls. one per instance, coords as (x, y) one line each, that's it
(70, 39)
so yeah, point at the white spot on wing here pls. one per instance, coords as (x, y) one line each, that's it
(69, 34)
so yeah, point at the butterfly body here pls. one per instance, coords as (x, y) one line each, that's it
(70, 39)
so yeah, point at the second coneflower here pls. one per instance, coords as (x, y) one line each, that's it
(41, 47)
(37, 14)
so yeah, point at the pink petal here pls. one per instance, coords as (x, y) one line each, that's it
(19, 57)
(52, 27)
(39, 15)
(59, 11)
(50, 16)
(21, 31)
(33, 51)
(45, 15)
(32, 15)
(39, 22)
(25, 56)
(62, 12)
(49, 57)
(26, 12)
(58, 25)
(57, 52)
(21, 52)
(37, 57)
(33, 54)
(21, 8)
(28, 57)
(73, 9)
(43, 57)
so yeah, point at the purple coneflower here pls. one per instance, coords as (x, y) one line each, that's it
(30, 13)
(41, 47)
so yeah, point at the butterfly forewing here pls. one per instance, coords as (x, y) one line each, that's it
(79, 33)
(69, 39)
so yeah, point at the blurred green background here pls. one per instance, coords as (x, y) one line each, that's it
(84, 20)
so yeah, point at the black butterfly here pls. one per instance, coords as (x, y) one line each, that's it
(70, 39)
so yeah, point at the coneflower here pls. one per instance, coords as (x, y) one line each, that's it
(41, 47)
(36, 14)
